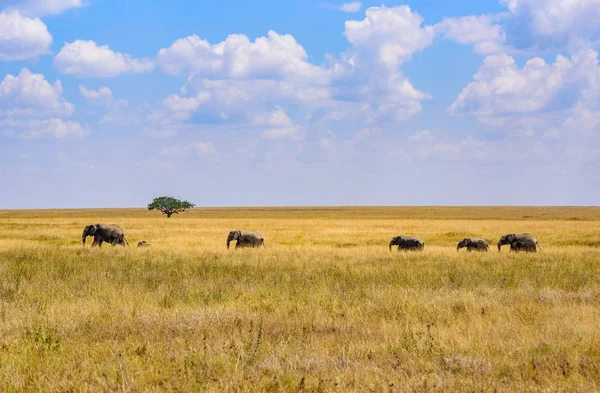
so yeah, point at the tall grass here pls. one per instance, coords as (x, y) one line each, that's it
(324, 307)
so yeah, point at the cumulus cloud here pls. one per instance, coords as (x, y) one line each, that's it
(237, 77)
(277, 125)
(22, 37)
(86, 59)
(183, 107)
(544, 24)
(393, 35)
(237, 57)
(31, 94)
(478, 30)
(501, 88)
(41, 128)
(102, 96)
(369, 70)
(45, 7)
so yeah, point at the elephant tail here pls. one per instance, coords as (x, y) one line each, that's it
(125, 240)
(538, 245)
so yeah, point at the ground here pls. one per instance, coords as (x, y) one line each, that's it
(325, 306)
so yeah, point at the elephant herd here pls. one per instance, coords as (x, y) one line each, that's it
(113, 234)
(518, 242)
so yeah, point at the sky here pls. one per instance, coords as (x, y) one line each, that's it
(110, 103)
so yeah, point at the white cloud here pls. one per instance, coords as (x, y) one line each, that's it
(553, 23)
(582, 122)
(183, 107)
(277, 125)
(102, 96)
(31, 94)
(201, 149)
(86, 59)
(479, 30)
(501, 88)
(353, 6)
(46, 7)
(237, 57)
(41, 128)
(22, 37)
(369, 70)
(237, 77)
(392, 34)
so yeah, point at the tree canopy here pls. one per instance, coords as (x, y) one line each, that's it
(169, 205)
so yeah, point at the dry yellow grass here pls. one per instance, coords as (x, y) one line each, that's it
(324, 307)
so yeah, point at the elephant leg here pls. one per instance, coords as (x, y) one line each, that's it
(95, 242)
(100, 242)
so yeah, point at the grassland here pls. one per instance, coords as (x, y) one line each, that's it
(324, 307)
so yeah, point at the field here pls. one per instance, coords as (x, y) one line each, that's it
(324, 307)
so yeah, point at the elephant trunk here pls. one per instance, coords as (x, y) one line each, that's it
(391, 244)
(228, 241)
(457, 248)
(83, 237)
(499, 245)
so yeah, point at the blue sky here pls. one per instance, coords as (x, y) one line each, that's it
(234, 103)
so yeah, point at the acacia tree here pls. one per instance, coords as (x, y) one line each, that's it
(170, 205)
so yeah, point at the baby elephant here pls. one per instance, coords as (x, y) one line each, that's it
(407, 243)
(473, 244)
(143, 244)
(245, 239)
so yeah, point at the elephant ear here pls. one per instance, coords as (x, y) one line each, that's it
(93, 229)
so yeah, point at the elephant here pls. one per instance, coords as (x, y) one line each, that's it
(473, 244)
(143, 244)
(109, 233)
(407, 243)
(520, 242)
(245, 239)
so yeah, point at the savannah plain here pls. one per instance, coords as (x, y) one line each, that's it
(324, 307)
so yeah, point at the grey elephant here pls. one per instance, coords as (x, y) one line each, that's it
(473, 244)
(143, 244)
(407, 243)
(245, 239)
(110, 233)
(520, 242)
